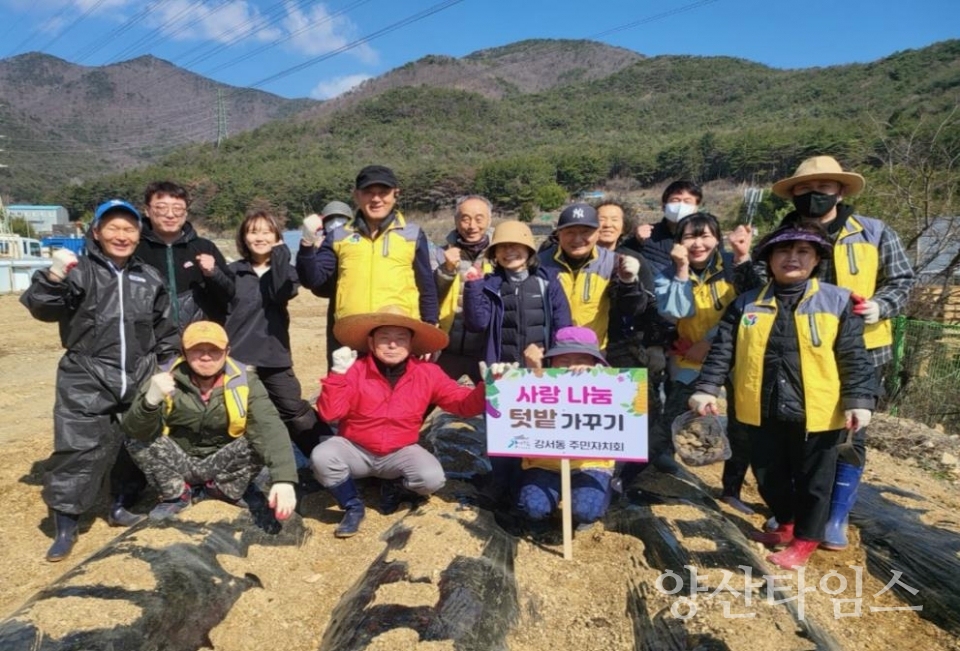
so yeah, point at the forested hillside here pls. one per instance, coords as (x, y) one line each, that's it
(659, 118)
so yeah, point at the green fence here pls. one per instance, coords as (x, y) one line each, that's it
(924, 380)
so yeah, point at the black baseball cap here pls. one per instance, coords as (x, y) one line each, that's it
(578, 214)
(376, 175)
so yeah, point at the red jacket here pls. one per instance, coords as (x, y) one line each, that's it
(382, 419)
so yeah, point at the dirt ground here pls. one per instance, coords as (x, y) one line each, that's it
(582, 604)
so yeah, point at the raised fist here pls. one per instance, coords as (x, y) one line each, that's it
(159, 387)
(63, 261)
(343, 359)
(311, 233)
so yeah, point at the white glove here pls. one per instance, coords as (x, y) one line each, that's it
(628, 269)
(870, 311)
(497, 369)
(343, 359)
(703, 403)
(857, 419)
(160, 386)
(283, 500)
(311, 233)
(63, 261)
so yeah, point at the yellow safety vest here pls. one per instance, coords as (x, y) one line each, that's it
(817, 319)
(712, 293)
(452, 301)
(856, 260)
(586, 289)
(372, 273)
(236, 394)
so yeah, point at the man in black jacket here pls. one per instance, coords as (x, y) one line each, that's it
(113, 312)
(194, 269)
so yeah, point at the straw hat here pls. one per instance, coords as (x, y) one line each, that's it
(353, 330)
(820, 167)
(511, 232)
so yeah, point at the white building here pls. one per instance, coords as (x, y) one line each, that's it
(40, 218)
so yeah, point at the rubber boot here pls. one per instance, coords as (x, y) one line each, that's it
(67, 528)
(349, 500)
(795, 555)
(394, 493)
(119, 516)
(782, 535)
(841, 503)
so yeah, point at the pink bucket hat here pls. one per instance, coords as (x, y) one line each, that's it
(576, 339)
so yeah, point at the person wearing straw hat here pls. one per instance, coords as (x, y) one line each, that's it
(869, 260)
(115, 326)
(378, 400)
(795, 352)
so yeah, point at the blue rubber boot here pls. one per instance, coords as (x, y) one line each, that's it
(841, 503)
(349, 500)
(67, 527)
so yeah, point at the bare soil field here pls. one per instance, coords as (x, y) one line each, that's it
(447, 576)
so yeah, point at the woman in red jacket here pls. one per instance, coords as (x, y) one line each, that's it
(379, 401)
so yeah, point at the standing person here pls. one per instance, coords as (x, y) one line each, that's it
(869, 260)
(576, 349)
(377, 258)
(516, 305)
(114, 316)
(464, 248)
(795, 351)
(206, 422)
(334, 215)
(379, 401)
(197, 277)
(593, 277)
(695, 296)
(259, 324)
(679, 199)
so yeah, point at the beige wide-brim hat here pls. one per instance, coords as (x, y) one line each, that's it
(353, 330)
(511, 232)
(817, 168)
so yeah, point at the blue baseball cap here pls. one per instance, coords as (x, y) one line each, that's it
(116, 204)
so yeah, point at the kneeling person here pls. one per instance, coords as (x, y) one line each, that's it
(207, 422)
(379, 401)
(576, 349)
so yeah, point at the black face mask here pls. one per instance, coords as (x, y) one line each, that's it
(815, 204)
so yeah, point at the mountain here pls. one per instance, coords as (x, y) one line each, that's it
(554, 134)
(62, 120)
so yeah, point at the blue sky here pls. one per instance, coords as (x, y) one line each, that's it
(304, 48)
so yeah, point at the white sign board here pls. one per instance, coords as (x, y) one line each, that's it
(600, 413)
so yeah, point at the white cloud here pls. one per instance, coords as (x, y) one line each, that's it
(317, 32)
(211, 21)
(330, 88)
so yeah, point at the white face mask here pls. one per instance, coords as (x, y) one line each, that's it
(678, 210)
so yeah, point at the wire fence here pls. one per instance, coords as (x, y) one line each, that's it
(924, 383)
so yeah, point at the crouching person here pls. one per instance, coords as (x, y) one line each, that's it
(207, 424)
(576, 349)
(379, 401)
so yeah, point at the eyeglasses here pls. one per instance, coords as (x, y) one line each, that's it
(167, 209)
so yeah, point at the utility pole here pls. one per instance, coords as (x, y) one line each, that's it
(221, 119)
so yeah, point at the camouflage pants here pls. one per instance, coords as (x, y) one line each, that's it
(168, 467)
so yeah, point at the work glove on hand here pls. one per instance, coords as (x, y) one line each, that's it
(740, 240)
(471, 273)
(497, 369)
(703, 403)
(857, 419)
(343, 359)
(869, 310)
(311, 233)
(628, 269)
(63, 261)
(160, 386)
(283, 500)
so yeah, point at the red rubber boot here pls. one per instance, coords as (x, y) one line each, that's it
(782, 535)
(795, 555)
